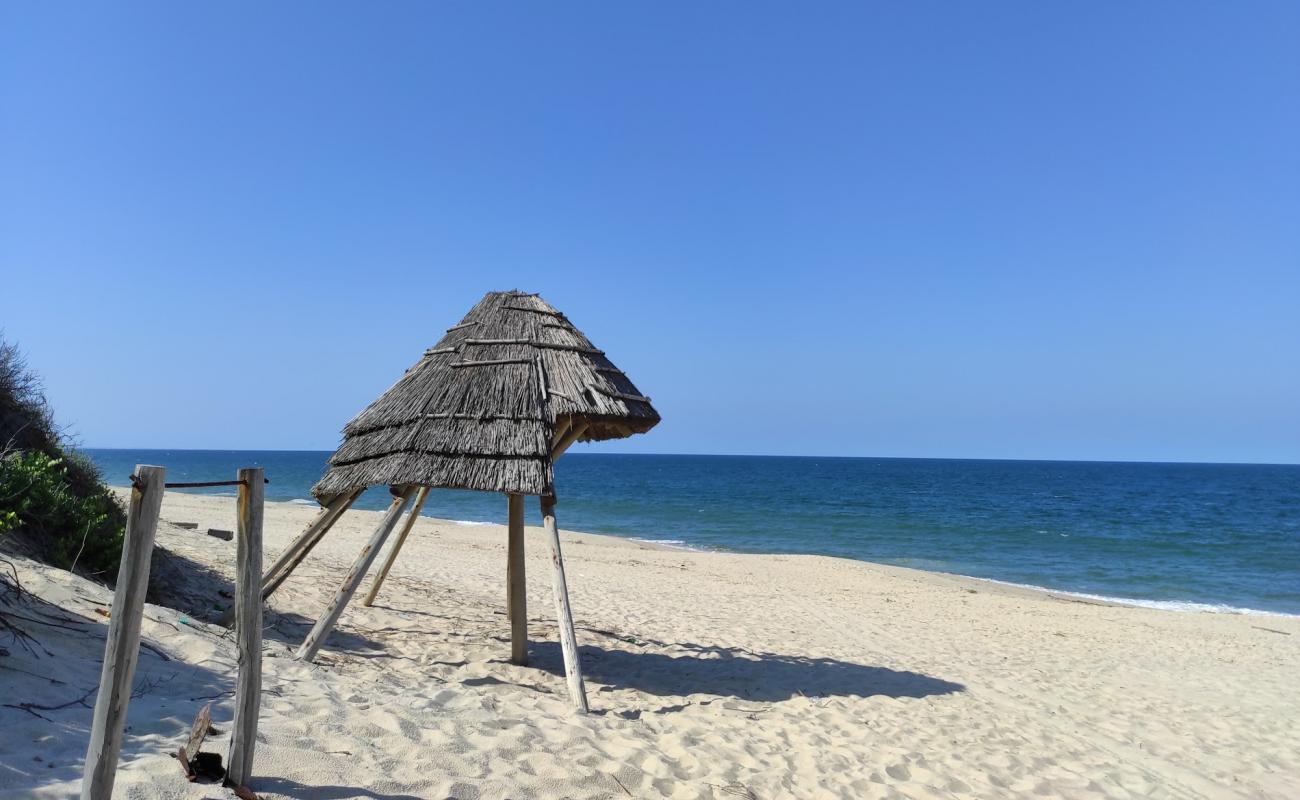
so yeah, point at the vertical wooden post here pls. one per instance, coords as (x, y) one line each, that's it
(122, 648)
(516, 585)
(248, 626)
(568, 639)
(411, 517)
(312, 644)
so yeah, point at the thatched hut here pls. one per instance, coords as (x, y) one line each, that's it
(490, 407)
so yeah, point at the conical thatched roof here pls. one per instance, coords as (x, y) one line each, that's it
(481, 408)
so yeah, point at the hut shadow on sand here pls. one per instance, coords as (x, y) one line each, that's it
(739, 673)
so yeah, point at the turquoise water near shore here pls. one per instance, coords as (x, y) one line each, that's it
(1219, 537)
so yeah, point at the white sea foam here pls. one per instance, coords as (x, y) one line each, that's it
(469, 522)
(302, 502)
(1164, 605)
(675, 544)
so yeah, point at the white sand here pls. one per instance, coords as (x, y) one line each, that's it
(710, 676)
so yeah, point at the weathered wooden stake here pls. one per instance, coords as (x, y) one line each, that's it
(122, 648)
(248, 627)
(312, 644)
(411, 517)
(568, 639)
(516, 585)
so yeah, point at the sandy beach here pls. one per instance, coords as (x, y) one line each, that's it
(710, 675)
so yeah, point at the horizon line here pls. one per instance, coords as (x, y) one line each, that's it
(771, 455)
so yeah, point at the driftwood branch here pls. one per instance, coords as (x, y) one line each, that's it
(15, 596)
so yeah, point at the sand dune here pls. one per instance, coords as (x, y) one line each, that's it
(710, 676)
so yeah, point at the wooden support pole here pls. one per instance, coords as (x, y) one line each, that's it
(326, 623)
(411, 517)
(294, 554)
(248, 626)
(308, 538)
(567, 440)
(272, 581)
(560, 430)
(122, 648)
(568, 639)
(516, 585)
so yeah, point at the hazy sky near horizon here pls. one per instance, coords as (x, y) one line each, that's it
(1003, 230)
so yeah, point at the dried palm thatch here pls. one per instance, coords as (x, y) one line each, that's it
(481, 409)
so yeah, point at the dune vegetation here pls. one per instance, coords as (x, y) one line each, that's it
(53, 504)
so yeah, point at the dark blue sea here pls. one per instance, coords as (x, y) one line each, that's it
(1212, 537)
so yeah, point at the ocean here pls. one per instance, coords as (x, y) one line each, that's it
(1196, 537)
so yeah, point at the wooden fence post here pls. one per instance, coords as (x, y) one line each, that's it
(122, 648)
(248, 626)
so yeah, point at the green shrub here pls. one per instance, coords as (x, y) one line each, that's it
(51, 499)
(37, 499)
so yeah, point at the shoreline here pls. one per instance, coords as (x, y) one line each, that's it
(1179, 606)
(1006, 588)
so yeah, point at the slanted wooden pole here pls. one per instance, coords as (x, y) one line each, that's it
(411, 517)
(561, 429)
(248, 626)
(306, 540)
(122, 648)
(319, 521)
(570, 436)
(272, 581)
(326, 623)
(294, 554)
(516, 585)
(568, 639)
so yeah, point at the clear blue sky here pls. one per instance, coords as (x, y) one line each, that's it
(1007, 230)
